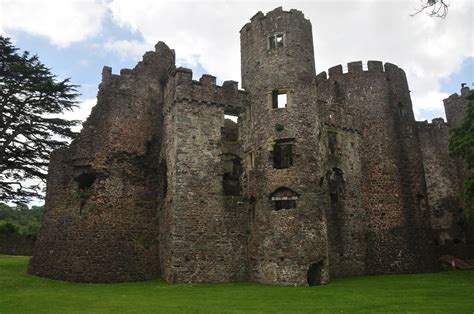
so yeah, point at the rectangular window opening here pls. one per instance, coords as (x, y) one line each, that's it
(282, 155)
(279, 40)
(285, 204)
(272, 42)
(231, 117)
(279, 99)
(276, 41)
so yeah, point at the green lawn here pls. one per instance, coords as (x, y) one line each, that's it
(446, 292)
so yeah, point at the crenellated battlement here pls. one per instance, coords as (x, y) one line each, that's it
(275, 13)
(436, 123)
(206, 90)
(358, 67)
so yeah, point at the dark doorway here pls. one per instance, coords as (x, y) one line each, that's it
(314, 274)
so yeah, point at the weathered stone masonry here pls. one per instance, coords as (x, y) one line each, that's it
(322, 176)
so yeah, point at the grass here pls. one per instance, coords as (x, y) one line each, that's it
(445, 292)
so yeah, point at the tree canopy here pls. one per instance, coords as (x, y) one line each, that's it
(20, 219)
(461, 144)
(434, 8)
(31, 100)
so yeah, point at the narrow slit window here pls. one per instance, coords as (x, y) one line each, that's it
(332, 143)
(272, 42)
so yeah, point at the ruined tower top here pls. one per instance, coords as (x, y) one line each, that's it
(280, 42)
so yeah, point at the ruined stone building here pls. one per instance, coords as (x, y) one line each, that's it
(322, 176)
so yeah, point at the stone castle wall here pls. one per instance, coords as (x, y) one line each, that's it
(14, 244)
(100, 220)
(441, 173)
(331, 183)
(209, 235)
(393, 188)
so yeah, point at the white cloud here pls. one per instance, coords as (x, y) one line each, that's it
(127, 48)
(428, 49)
(61, 22)
(82, 112)
(207, 33)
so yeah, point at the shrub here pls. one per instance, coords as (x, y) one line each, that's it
(7, 227)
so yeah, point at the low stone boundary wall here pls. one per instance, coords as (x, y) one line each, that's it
(14, 244)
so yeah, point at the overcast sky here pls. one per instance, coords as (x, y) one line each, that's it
(76, 38)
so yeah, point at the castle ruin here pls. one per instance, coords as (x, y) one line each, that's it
(322, 176)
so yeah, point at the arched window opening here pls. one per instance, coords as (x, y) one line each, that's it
(284, 198)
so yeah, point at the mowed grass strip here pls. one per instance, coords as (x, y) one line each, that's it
(444, 292)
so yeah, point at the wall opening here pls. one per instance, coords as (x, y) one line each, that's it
(421, 203)
(336, 184)
(85, 181)
(163, 183)
(283, 154)
(284, 198)
(314, 274)
(279, 99)
(332, 143)
(234, 118)
(84, 188)
(250, 160)
(285, 204)
(230, 130)
(401, 110)
(275, 41)
(231, 177)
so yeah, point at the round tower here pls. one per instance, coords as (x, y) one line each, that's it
(393, 189)
(280, 139)
(277, 50)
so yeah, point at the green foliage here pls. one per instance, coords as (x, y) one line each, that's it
(7, 227)
(31, 98)
(461, 145)
(279, 127)
(444, 292)
(28, 220)
(82, 195)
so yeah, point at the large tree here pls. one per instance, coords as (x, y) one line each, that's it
(31, 102)
(461, 144)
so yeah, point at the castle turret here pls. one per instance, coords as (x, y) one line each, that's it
(393, 188)
(280, 137)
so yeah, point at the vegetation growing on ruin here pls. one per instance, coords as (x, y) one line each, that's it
(446, 292)
(461, 144)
